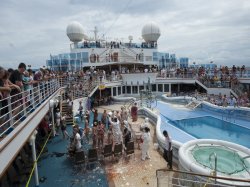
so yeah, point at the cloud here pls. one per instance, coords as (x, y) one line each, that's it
(213, 30)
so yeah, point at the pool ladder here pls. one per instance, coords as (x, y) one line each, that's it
(215, 163)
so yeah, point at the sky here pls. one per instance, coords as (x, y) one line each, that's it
(202, 30)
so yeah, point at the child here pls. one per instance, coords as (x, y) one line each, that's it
(100, 134)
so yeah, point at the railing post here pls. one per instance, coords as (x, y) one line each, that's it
(32, 100)
(50, 87)
(23, 101)
(39, 92)
(61, 80)
(43, 91)
(10, 110)
(58, 82)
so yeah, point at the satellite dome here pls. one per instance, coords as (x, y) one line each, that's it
(75, 31)
(150, 32)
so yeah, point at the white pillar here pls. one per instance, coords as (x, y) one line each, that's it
(52, 105)
(53, 121)
(33, 145)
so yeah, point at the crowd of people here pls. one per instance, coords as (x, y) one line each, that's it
(107, 128)
(223, 100)
(22, 82)
(23, 87)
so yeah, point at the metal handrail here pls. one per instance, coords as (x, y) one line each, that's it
(201, 175)
(26, 101)
(215, 163)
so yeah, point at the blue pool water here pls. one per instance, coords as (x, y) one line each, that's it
(212, 128)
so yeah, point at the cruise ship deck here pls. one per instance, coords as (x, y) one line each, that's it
(106, 75)
(57, 168)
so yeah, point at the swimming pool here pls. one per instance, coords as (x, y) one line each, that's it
(212, 128)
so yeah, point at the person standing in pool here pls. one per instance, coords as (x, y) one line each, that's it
(168, 150)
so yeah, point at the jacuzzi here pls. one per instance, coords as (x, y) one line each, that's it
(233, 160)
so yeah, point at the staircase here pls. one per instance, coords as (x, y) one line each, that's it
(126, 57)
(237, 90)
(86, 90)
(201, 84)
(193, 104)
(66, 111)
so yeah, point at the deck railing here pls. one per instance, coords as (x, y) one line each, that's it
(176, 178)
(15, 108)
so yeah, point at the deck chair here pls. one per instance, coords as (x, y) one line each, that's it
(118, 150)
(92, 156)
(80, 158)
(130, 149)
(107, 151)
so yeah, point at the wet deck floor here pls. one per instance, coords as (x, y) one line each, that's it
(57, 169)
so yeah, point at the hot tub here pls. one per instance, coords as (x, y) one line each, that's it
(233, 160)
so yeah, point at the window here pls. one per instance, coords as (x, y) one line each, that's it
(73, 55)
(141, 87)
(85, 57)
(123, 90)
(160, 89)
(78, 55)
(135, 89)
(153, 87)
(114, 91)
(166, 87)
(128, 89)
(155, 56)
(119, 90)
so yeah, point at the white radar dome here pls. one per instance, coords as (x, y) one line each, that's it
(150, 32)
(75, 31)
